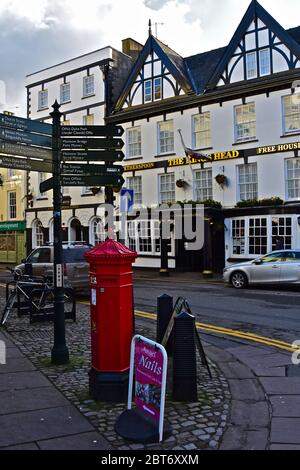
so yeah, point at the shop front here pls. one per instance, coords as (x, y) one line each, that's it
(12, 241)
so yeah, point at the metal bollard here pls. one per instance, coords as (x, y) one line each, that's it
(164, 314)
(184, 359)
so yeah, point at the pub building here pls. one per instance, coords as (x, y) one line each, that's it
(240, 105)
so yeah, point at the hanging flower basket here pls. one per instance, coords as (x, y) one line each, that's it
(221, 180)
(180, 183)
(116, 190)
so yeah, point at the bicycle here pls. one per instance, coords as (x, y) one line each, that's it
(39, 293)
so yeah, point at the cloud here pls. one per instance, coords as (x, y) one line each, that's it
(156, 4)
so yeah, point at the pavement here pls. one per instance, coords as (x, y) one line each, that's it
(264, 410)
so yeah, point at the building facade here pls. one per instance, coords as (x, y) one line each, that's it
(239, 105)
(79, 86)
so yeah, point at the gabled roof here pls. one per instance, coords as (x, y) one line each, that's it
(173, 61)
(254, 10)
(201, 66)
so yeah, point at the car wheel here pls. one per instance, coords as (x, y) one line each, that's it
(239, 280)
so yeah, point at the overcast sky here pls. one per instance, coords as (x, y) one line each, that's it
(38, 33)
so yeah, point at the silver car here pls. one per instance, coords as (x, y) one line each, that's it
(282, 266)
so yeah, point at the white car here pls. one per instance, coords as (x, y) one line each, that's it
(282, 266)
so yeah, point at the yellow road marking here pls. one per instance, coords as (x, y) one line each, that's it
(235, 333)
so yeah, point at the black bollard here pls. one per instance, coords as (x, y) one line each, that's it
(164, 314)
(184, 359)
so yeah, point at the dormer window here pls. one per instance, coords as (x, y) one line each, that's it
(157, 89)
(148, 91)
(251, 65)
(264, 62)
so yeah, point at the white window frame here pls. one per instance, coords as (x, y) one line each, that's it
(288, 197)
(137, 143)
(154, 236)
(247, 66)
(43, 100)
(37, 237)
(10, 206)
(159, 188)
(284, 115)
(250, 137)
(261, 74)
(42, 176)
(136, 184)
(87, 85)
(93, 236)
(238, 167)
(171, 136)
(208, 188)
(206, 142)
(65, 89)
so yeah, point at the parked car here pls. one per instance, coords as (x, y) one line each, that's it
(278, 267)
(76, 268)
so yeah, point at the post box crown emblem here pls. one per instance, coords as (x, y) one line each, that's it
(111, 249)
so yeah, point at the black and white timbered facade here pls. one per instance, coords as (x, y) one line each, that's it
(239, 104)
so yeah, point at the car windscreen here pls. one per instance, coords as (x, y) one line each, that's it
(75, 254)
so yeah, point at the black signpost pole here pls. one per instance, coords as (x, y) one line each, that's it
(59, 353)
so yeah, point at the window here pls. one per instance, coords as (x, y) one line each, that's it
(144, 234)
(65, 92)
(201, 130)
(88, 120)
(264, 62)
(282, 229)
(98, 234)
(86, 190)
(167, 188)
(135, 183)
(43, 99)
(11, 173)
(203, 185)
(238, 236)
(166, 137)
(291, 113)
(134, 142)
(12, 205)
(293, 178)
(251, 66)
(247, 181)
(148, 91)
(66, 122)
(37, 235)
(42, 177)
(157, 89)
(258, 236)
(245, 122)
(88, 86)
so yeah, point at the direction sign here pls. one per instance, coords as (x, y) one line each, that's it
(85, 144)
(92, 131)
(46, 185)
(103, 180)
(126, 200)
(25, 164)
(96, 170)
(93, 156)
(9, 148)
(25, 138)
(22, 124)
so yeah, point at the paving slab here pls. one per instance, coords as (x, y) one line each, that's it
(29, 446)
(22, 380)
(285, 431)
(249, 415)
(269, 371)
(270, 360)
(236, 370)
(42, 424)
(284, 447)
(16, 401)
(83, 441)
(13, 353)
(246, 389)
(19, 364)
(8, 342)
(281, 385)
(218, 354)
(286, 406)
(237, 438)
(245, 351)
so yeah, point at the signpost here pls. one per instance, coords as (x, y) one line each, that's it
(9, 148)
(20, 137)
(25, 164)
(46, 185)
(96, 155)
(92, 170)
(85, 144)
(23, 124)
(92, 131)
(104, 179)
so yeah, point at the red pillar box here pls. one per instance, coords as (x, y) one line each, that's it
(111, 319)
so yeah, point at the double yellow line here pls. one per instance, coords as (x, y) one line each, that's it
(234, 333)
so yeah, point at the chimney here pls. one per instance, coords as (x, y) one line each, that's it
(131, 47)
